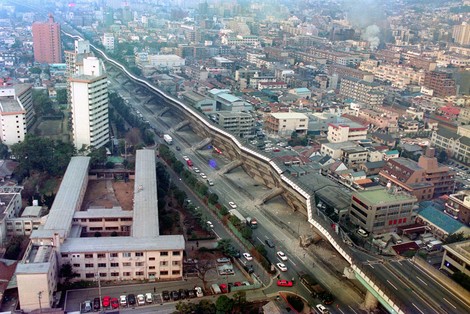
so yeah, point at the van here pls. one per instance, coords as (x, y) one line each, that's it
(216, 289)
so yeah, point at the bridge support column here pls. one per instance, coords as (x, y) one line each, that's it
(370, 302)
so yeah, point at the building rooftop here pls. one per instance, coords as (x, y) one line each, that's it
(69, 196)
(289, 115)
(37, 260)
(441, 220)
(460, 249)
(145, 196)
(11, 106)
(31, 211)
(115, 212)
(122, 244)
(382, 196)
(408, 163)
(5, 199)
(229, 97)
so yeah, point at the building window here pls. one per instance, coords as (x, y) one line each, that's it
(89, 265)
(163, 263)
(114, 264)
(114, 274)
(64, 255)
(126, 274)
(151, 267)
(151, 258)
(175, 272)
(176, 253)
(113, 254)
(126, 264)
(163, 253)
(101, 255)
(164, 273)
(139, 254)
(139, 273)
(175, 263)
(90, 275)
(76, 265)
(139, 264)
(88, 255)
(101, 265)
(126, 254)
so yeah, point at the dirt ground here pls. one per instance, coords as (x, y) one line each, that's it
(108, 193)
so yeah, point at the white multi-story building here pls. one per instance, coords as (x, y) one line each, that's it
(284, 123)
(89, 104)
(108, 41)
(16, 111)
(166, 61)
(239, 123)
(343, 132)
(143, 255)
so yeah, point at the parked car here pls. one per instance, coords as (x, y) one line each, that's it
(178, 148)
(210, 182)
(166, 295)
(87, 307)
(210, 225)
(149, 297)
(237, 284)
(114, 303)
(196, 169)
(203, 175)
(123, 300)
(175, 295)
(191, 294)
(284, 283)
(140, 299)
(96, 304)
(106, 301)
(362, 233)
(281, 266)
(199, 292)
(223, 288)
(282, 256)
(232, 204)
(183, 294)
(223, 260)
(248, 256)
(186, 158)
(269, 243)
(131, 299)
(249, 269)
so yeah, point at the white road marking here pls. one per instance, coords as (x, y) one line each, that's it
(417, 308)
(259, 240)
(370, 265)
(450, 303)
(391, 284)
(290, 261)
(218, 237)
(352, 309)
(421, 280)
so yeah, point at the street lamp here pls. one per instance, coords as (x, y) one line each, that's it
(39, 299)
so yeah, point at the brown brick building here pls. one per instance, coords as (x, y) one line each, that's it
(441, 83)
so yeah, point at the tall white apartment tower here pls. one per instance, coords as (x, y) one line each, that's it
(89, 104)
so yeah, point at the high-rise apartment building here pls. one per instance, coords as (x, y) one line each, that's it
(441, 83)
(46, 41)
(461, 34)
(89, 104)
(16, 112)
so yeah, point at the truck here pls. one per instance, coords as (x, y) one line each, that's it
(237, 214)
(167, 138)
(251, 222)
(434, 246)
(315, 289)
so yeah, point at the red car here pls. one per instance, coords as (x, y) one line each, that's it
(223, 288)
(106, 301)
(115, 303)
(237, 284)
(284, 283)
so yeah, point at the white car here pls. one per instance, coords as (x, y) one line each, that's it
(149, 297)
(248, 256)
(186, 158)
(203, 175)
(362, 233)
(196, 169)
(140, 299)
(123, 300)
(232, 204)
(282, 256)
(281, 266)
(210, 225)
(322, 309)
(199, 292)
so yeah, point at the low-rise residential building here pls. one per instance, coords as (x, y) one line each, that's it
(440, 224)
(458, 206)
(239, 123)
(284, 123)
(201, 102)
(456, 145)
(335, 150)
(456, 258)
(381, 210)
(425, 179)
(143, 254)
(353, 157)
(343, 132)
(225, 101)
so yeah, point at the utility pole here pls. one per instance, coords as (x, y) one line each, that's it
(99, 285)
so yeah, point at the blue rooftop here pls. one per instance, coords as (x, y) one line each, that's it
(391, 152)
(441, 220)
(302, 90)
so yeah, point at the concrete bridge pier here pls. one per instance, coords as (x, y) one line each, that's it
(370, 302)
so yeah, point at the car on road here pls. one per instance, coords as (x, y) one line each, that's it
(199, 292)
(140, 299)
(203, 175)
(131, 299)
(284, 283)
(281, 266)
(281, 255)
(96, 304)
(196, 169)
(362, 233)
(249, 269)
(210, 225)
(322, 309)
(223, 260)
(175, 295)
(269, 243)
(149, 297)
(123, 300)
(178, 148)
(210, 182)
(248, 256)
(186, 158)
(114, 303)
(232, 204)
(166, 295)
(106, 301)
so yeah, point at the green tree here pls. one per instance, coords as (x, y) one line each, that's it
(185, 308)
(225, 246)
(224, 304)
(4, 154)
(261, 249)
(61, 96)
(205, 307)
(462, 279)
(98, 157)
(442, 156)
(42, 103)
(455, 237)
(239, 299)
(35, 70)
(246, 232)
(66, 272)
(213, 198)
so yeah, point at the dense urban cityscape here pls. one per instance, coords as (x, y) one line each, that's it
(211, 156)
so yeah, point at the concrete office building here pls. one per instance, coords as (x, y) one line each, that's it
(108, 41)
(369, 93)
(89, 105)
(46, 41)
(284, 123)
(456, 258)
(343, 132)
(457, 145)
(143, 255)
(16, 111)
(239, 123)
(382, 210)
(461, 34)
